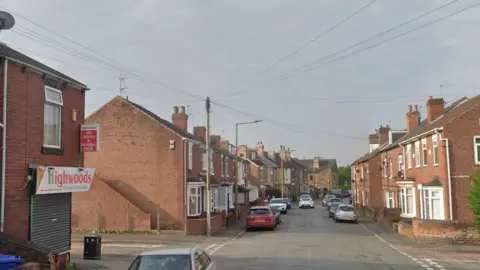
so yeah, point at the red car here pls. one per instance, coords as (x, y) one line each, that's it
(261, 217)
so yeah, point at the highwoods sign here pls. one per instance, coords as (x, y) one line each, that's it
(63, 179)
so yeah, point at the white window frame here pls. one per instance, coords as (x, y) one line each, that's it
(362, 172)
(435, 149)
(190, 156)
(198, 199)
(222, 192)
(211, 163)
(427, 190)
(409, 156)
(403, 195)
(222, 165)
(253, 155)
(385, 172)
(389, 199)
(475, 150)
(400, 162)
(364, 198)
(57, 104)
(204, 161)
(390, 169)
(417, 154)
(424, 152)
(226, 166)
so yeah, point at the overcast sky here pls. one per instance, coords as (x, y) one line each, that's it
(174, 52)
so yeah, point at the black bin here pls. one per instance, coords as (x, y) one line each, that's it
(92, 247)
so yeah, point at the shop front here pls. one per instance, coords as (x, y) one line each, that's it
(51, 204)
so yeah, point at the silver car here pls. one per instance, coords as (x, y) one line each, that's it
(173, 259)
(345, 212)
(326, 199)
(333, 208)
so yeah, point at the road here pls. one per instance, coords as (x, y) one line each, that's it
(308, 239)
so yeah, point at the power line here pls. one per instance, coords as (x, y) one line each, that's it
(282, 77)
(316, 38)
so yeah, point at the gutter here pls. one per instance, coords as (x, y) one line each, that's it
(449, 175)
(414, 138)
(4, 143)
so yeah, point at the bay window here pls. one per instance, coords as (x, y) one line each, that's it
(407, 201)
(433, 203)
(194, 201)
(389, 199)
(52, 118)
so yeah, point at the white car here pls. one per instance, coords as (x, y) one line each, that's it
(306, 203)
(280, 204)
(173, 259)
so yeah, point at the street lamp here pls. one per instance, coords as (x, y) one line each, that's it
(237, 209)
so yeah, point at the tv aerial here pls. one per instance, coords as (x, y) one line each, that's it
(7, 21)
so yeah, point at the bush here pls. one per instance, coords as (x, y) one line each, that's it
(474, 197)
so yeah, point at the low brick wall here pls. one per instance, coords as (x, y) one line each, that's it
(388, 216)
(198, 226)
(441, 231)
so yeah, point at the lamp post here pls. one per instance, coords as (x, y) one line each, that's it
(236, 164)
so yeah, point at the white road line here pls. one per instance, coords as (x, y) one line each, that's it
(401, 252)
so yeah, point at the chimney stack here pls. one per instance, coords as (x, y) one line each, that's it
(260, 148)
(288, 154)
(435, 108)
(225, 144)
(316, 163)
(215, 140)
(200, 132)
(180, 118)
(412, 117)
(383, 134)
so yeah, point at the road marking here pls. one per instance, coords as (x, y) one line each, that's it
(403, 253)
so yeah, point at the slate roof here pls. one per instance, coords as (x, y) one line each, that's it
(267, 161)
(297, 163)
(164, 122)
(6, 51)
(257, 162)
(323, 164)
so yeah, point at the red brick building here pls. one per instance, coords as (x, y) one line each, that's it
(151, 173)
(44, 112)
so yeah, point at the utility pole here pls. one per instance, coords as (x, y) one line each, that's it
(209, 198)
(237, 173)
(313, 177)
(123, 86)
(281, 166)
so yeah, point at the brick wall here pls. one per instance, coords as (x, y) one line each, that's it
(198, 226)
(441, 231)
(122, 214)
(26, 98)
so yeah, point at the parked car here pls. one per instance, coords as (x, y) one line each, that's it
(170, 259)
(279, 203)
(329, 203)
(333, 208)
(289, 203)
(261, 217)
(326, 199)
(305, 196)
(345, 212)
(277, 213)
(346, 193)
(306, 203)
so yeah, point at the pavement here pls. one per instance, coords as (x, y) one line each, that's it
(306, 239)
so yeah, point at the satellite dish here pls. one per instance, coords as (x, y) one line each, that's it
(7, 21)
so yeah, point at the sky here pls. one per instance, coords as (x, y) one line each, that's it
(252, 58)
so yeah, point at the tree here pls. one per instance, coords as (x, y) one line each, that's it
(345, 177)
(474, 197)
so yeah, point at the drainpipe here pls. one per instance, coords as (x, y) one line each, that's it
(449, 175)
(4, 143)
(185, 147)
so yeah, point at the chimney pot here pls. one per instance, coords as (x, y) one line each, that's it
(182, 109)
(415, 108)
(175, 109)
(409, 108)
(430, 97)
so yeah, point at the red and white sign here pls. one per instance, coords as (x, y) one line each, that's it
(90, 138)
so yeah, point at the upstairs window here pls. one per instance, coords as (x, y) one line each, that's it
(476, 149)
(385, 169)
(190, 156)
(400, 163)
(424, 152)
(227, 163)
(409, 156)
(211, 162)
(435, 149)
(390, 168)
(417, 154)
(204, 161)
(222, 165)
(52, 118)
(253, 155)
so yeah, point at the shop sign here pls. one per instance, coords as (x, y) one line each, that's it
(51, 180)
(90, 138)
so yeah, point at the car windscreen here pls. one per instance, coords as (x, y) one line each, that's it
(164, 262)
(277, 201)
(305, 199)
(274, 209)
(334, 200)
(334, 206)
(259, 211)
(347, 208)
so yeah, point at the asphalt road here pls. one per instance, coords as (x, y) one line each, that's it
(309, 239)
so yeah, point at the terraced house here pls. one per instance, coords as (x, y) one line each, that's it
(425, 171)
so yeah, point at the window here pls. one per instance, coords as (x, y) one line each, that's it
(222, 164)
(433, 204)
(406, 201)
(204, 161)
(389, 199)
(364, 198)
(409, 155)
(227, 164)
(52, 121)
(385, 169)
(222, 198)
(417, 154)
(190, 156)
(211, 162)
(400, 163)
(194, 201)
(390, 167)
(424, 152)
(253, 155)
(476, 149)
(362, 173)
(435, 149)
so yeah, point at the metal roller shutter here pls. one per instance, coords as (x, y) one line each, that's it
(51, 221)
